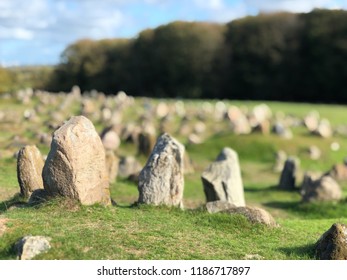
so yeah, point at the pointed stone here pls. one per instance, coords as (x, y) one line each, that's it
(161, 181)
(75, 166)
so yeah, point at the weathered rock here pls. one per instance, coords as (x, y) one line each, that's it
(161, 181)
(218, 206)
(332, 245)
(339, 172)
(75, 166)
(194, 139)
(222, 179)
(314, 152)
(288, 175)
(128, 166)
(29, 170)
(254, 215)
(322, 189)
(30, 246)
(110, 140)
(311, 121)
(112, 163)
(324, 129)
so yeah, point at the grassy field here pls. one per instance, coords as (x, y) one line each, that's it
(146, 232)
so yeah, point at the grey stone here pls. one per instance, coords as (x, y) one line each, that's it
(75, 166)
(161, 181)
(324, 188)
(222, 179)
(29, 170)
(30, 246)
(288, 175)
(218, 206)
(128, 166)
(332, 245)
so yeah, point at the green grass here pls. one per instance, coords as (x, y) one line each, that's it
(145, 232)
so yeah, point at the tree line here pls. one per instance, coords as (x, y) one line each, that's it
(278, 56)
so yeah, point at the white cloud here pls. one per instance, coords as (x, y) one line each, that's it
(289, 5)
(210, 4)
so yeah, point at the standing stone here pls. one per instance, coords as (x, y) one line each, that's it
(75, 166)
(30, 246)
(222, 179)
(320, 189)
(332, 245)
(112, 163)
(287, 179)
(29, 170)
(161, 181)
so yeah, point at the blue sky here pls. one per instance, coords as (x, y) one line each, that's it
(37, 31)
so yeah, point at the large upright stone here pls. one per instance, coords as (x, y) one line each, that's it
(29, 170)
(161, 181)
(75, 166)
(288, 175)
(222, 179)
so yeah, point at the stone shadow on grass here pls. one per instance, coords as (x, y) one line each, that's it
(307, 251)
(274, 188)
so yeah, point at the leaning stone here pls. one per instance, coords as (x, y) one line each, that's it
(222, 179)
(288, 175)
(30, 246)
(161, 181)
(29, 170)
(321, 189)
(218, 206)
(75, 166)
(254, 215)
(332, 245)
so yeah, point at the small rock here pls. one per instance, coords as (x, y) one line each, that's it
(112, 164)
(322, 189)
(30, 246)
(332, 245)
(314, 152)
(254, 215)
(128, 166)
(218, 206)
